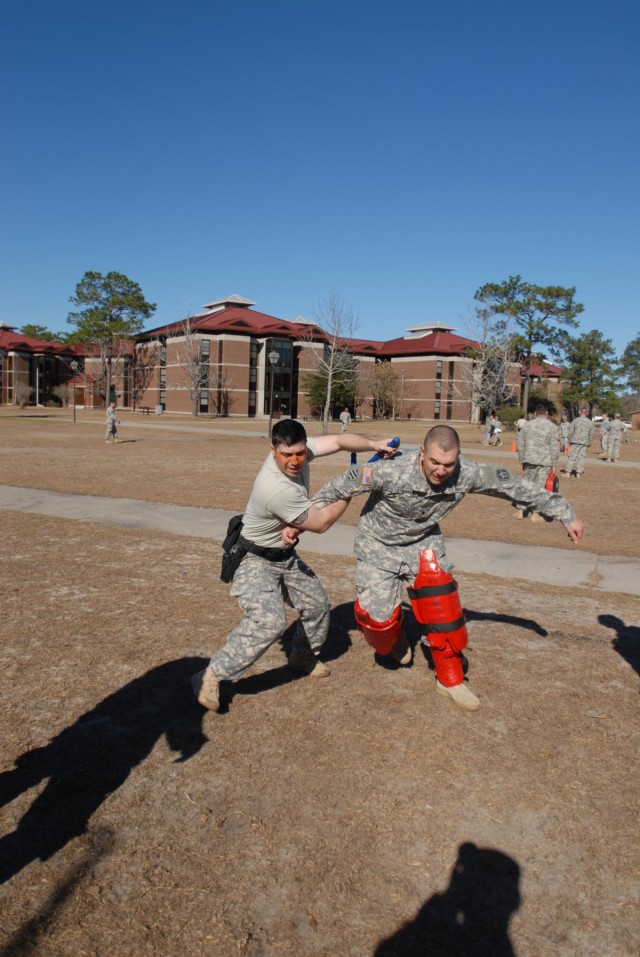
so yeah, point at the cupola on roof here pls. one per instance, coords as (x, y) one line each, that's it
(427, 328)
(233, 300)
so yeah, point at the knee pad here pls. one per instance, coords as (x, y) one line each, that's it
(381, 635)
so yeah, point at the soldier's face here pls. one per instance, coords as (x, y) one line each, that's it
(438, 465)
(290, 458)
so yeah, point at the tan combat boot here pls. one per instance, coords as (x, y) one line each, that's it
(206, 688)
(401, 651)
(461, 694)
(307, 662)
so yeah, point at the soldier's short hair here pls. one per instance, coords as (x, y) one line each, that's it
(541, 410)
(288, 432)
(444, 436)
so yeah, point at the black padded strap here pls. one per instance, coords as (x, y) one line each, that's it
(432, 591)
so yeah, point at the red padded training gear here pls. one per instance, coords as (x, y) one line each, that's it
(435, 603)
(381, 635)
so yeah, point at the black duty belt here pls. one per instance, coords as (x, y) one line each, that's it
(271, 554)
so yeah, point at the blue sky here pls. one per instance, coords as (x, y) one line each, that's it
(398, 154)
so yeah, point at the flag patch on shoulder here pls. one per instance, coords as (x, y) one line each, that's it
(365, 475)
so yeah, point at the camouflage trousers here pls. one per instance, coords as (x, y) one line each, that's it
(538, 475)
(577, 456)
(383, 576)
(262, 589)
(613, 449)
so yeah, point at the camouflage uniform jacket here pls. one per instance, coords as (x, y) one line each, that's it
(538, 442)
(403, 510)
(581, 431)
(616, 428)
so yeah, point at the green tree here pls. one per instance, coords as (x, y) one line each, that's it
(630, 367)
(590, 373)
(114, 310)
(41, 332)
(315, 389)
(542, 314)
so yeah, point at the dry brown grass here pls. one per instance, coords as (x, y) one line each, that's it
(212, 467)
(311, 817)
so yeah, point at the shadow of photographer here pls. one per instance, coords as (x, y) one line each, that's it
(94, 756)
(471, 918)
(627, 640)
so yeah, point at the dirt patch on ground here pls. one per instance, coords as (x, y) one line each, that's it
(357, 815)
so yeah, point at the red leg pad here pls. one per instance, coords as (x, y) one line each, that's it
(447, 661)
(381, 635)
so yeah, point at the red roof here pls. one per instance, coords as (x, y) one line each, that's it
(239, 319)
(435, 343)
(539, 370)
(16, 342)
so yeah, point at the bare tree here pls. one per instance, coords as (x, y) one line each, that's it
(483, 381)
(365, 387)
(145, 360)
(220, 397)
(62, 392)
(23, 393)
(335, 365)
(192, 361)
(387, 393)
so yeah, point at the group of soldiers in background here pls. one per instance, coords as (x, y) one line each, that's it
(539, 443)
(612, 433)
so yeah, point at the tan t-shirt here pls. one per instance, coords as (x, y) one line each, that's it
(276, 500)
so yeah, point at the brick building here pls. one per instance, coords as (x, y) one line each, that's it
(32, 369)
(217, 363)
(218, 360)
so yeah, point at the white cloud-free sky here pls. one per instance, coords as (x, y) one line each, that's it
(399, 154)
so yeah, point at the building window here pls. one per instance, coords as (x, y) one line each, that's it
(10, 379)
(436, 410)
(203, 380)
(282, 377)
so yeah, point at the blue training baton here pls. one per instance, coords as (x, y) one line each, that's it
(393, 444)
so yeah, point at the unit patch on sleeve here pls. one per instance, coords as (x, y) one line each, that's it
(502, 474)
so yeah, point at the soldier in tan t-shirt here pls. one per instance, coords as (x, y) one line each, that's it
(271, 575)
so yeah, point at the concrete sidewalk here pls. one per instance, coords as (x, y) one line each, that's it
(553, 566)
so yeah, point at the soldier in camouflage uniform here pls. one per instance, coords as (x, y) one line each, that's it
(563, 432)
(605, 425)
(112, 431)
(270, 576)
(408, 498)
(581, 432)
(538, 453)
(614, 437)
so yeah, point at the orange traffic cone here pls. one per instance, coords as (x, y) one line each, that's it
(514, 447)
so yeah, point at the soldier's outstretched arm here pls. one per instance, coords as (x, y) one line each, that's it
(575, 530)
(351, 442)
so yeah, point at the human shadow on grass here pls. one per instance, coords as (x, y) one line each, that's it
(414, 633)
(94, 756)
(27, 938)
(627, 640)
(337, 644)
(471, 918)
